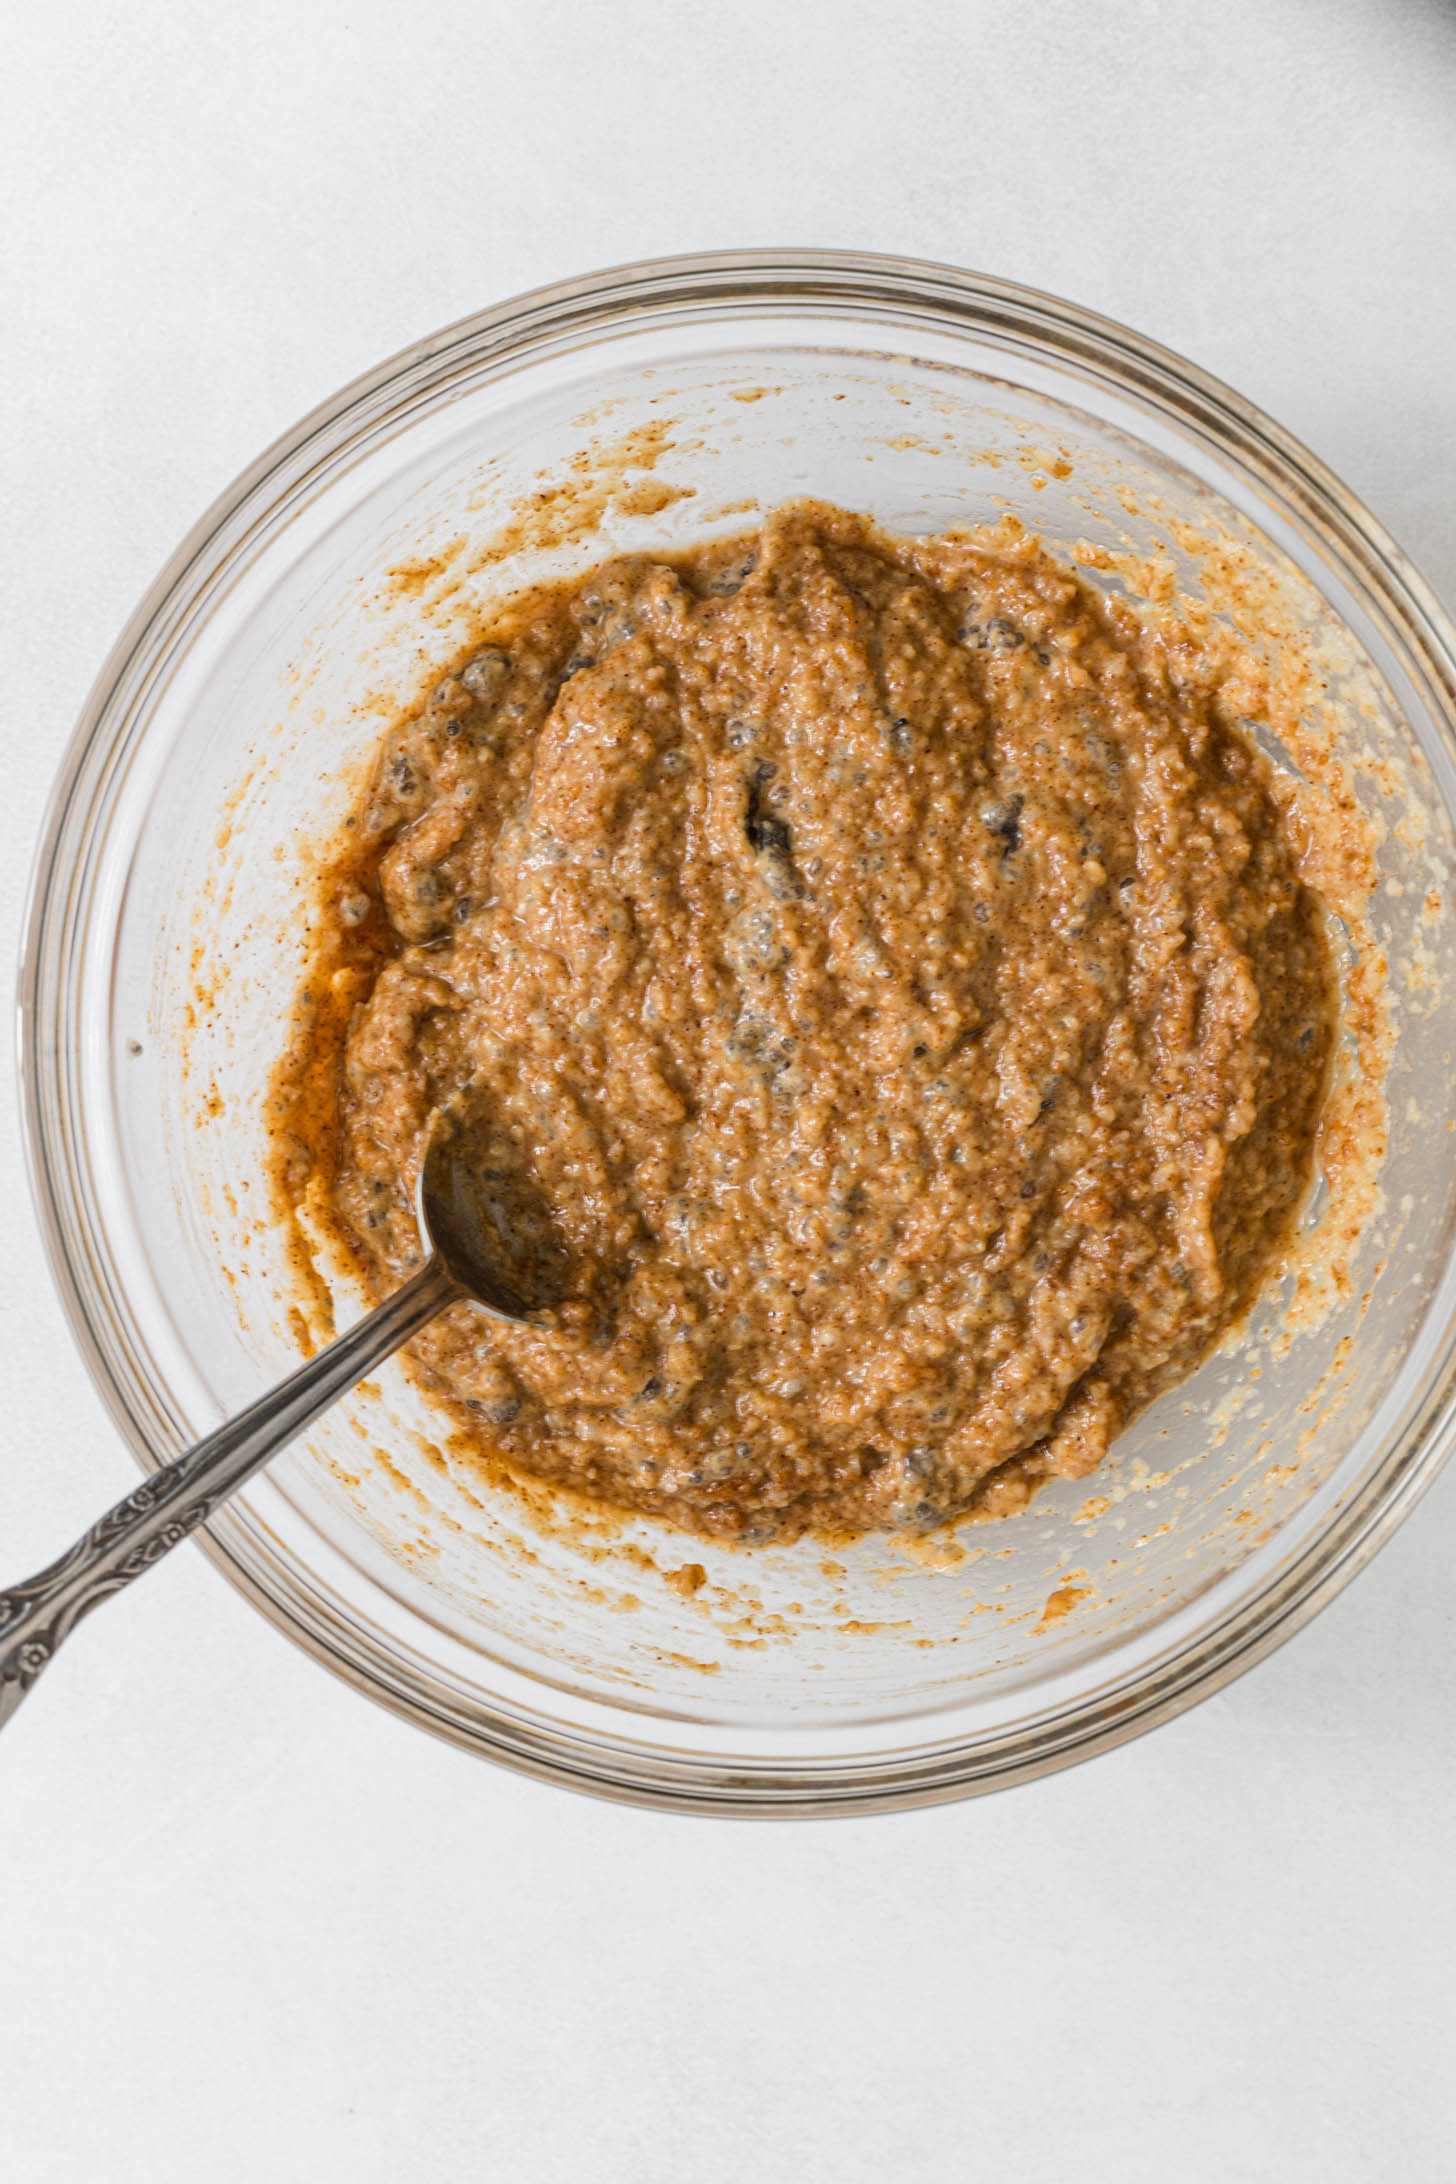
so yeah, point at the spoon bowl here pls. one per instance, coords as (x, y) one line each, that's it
(486, 1219)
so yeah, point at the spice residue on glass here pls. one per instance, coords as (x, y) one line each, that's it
(888, 959)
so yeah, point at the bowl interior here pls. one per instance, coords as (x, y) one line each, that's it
(239, 733)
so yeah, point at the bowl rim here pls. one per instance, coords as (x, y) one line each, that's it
(622, 1767)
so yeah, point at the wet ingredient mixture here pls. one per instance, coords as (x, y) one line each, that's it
(888, 960)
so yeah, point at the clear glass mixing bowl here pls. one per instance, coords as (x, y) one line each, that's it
(227, 734)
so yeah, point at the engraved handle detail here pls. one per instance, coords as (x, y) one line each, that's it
(36, 1615)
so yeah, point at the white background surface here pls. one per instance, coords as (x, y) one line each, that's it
(252, 1928)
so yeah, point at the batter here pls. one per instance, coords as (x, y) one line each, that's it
(888, 961)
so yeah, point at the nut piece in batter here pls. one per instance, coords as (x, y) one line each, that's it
(889, 959)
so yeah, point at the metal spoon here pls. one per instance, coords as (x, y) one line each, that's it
(491, 1241)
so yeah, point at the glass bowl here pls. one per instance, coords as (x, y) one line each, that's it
(660, 404)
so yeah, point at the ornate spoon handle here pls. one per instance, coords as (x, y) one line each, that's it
(36, 1615)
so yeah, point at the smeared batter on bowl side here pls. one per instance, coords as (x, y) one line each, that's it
(888, 960)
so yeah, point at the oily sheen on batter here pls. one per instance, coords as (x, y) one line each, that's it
(887, 961)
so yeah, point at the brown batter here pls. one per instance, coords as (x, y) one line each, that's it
(887, 959)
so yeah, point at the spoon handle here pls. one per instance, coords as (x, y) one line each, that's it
(36, 1615)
